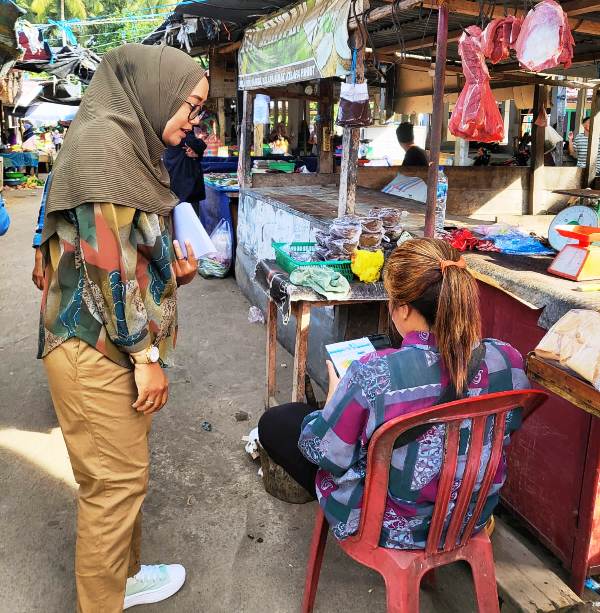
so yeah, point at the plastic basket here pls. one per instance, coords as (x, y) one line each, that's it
(288, 263)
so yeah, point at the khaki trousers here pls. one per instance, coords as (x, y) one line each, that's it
(107, 441)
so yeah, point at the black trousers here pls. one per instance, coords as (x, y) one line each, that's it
(279, 430)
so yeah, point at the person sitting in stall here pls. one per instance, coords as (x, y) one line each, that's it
(482, 158)
(209, 136)
(279, 141)
(578, 146)
(434, 306)
(414, 155)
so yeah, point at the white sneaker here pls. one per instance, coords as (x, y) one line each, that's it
(153, 584)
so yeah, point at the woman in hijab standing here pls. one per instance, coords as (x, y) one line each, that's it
(108, 316)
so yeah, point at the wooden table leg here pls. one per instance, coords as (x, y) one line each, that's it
(383, 326)
(301, 350)
(588, 528)
(271, 354)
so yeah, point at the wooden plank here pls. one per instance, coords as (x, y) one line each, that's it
(284, 179)
(525, 584)
(245, 160)
(382, 12)
(301, 350)
(271, 384)
(464, 7)
(580, 7)
(420, 43)
(325, 126)
(594, 140)
(564, 384)
(535, 200)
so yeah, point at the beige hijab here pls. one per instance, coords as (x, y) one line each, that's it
(112, 151)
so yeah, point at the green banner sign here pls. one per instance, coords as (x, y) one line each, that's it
(305, 42)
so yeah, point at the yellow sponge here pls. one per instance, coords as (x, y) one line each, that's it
(367, 265)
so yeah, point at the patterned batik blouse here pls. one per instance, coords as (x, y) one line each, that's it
(109, 282)
(380, 387)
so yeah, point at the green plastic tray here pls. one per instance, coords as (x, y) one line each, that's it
(283, 166)
(288, 263)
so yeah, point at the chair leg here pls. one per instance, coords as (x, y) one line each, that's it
(402, 592)
(315, 559)
(484, 578)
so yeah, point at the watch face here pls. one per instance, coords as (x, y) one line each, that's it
(153, 354)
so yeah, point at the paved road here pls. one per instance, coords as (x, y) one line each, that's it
(205, 497)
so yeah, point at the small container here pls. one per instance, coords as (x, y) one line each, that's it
(370, 239)
(371, 224)
(346, 227)
(342, 246)
(390, 217)
(322, 238)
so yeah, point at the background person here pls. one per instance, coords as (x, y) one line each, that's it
(578, 146)
(415, 156)
(109, 306)
(434, 306)
(185, 169)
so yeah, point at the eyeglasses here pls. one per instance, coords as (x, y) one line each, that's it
(196, 111)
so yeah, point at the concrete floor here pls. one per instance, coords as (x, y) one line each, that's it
(205, 499)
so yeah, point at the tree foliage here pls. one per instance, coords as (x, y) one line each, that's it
(99, 36)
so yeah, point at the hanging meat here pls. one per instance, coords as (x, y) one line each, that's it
(499, 37)
(476, 115)
(545, 40)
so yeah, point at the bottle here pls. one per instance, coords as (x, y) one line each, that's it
(440, 202)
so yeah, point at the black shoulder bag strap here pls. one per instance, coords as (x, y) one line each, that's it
(448, 395)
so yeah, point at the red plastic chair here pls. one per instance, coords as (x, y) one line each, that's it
(402, 570)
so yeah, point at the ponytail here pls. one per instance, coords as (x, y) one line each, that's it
(430, 275)
(457, 325)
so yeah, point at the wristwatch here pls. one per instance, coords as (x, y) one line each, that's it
(150, 355)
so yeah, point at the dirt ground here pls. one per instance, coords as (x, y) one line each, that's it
(205, 501)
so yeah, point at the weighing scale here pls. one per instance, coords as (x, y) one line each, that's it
(580, 261)
(578, 215)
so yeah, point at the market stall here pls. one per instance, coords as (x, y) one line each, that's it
(556, 454)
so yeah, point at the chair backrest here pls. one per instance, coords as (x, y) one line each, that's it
(478, 410)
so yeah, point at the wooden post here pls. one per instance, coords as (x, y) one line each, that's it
(259, 136)
(437, 118)
(245, 160)
(302, 312)
(350, 144)
(221, 117)
(461, 152)
(561, 109)
(324, 128)
(445, 119)
(580, 109)
(594, 139)
(535, 196)
(271, 387)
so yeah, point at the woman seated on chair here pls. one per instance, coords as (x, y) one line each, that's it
(434, 306)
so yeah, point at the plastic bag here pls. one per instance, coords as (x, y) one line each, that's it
(4, 218)
(515, 243)
(545, 40)
(476, 115)
(354, 110)
(217, 264)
